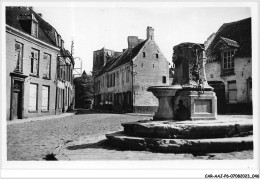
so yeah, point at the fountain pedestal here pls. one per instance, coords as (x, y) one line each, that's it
(195, 105)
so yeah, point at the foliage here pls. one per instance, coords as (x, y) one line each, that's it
(83, 90)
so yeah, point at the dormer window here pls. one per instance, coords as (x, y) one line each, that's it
(227, 49)
(29, 24)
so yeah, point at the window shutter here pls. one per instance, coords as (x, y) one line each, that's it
(45, 98)
(33, 97)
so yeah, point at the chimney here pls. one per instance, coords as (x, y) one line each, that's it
(62, 44)
(150, 33)
(132, 41)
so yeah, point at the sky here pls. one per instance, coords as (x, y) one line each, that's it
(95, 27)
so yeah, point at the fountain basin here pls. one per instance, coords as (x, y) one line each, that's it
(165, 95)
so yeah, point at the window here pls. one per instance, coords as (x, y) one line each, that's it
(143, 54)
(114, 79)
(45, 98)
(157, 55)
(61, 98)
(35, 62)
(64, 73)
(249, 89)
(122, 77)
(164, 79)
(33, 97)
(46, 65)
(117, 78)
(107, 80)
(153, 65)
(65, 96)
(228, 62)
(142, 65)
(127, 75)
(19, 56)
(232, 92)
(34, 28)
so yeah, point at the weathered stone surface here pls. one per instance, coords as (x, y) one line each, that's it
(122, 141)
(189, 129)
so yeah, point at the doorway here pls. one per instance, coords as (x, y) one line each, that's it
(219, 89)
(16, 105)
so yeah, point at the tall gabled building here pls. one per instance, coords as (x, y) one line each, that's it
(122, 81)
(229, 66)
(32, 50)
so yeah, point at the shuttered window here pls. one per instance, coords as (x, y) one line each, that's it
(45, 98)
(33, 97)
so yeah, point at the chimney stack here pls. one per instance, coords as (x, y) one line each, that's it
(150, 33)
(62, 44)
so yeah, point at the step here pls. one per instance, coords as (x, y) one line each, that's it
(123, 141)
(189, 129)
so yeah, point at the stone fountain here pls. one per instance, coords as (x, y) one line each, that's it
(186, 119)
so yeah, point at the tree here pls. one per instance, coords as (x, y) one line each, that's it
(84, 88)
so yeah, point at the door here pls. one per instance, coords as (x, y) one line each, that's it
(63, 101)
(16, 101)
(219, 89)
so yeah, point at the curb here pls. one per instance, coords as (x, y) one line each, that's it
(49, 117)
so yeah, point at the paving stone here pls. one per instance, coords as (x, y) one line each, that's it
(33, 140)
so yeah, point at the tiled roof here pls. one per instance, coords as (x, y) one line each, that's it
(46, 32)
(239, 32)
(126, 57)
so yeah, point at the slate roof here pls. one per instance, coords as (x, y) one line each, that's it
(230, 42)
(124, 58)
(46, 32)
(66, 53)
(235, 33)
(189, 44)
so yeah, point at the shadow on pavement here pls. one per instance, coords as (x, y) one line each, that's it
(91, 111)
(103, 144)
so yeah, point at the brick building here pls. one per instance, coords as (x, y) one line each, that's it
(229, 66)
(32, 50)
(122, 79)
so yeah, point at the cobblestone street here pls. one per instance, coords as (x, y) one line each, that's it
(34, 140)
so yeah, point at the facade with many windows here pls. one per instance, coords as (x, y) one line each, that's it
(32, 50)
(121, 81)
(229, 66)
(65, 88)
